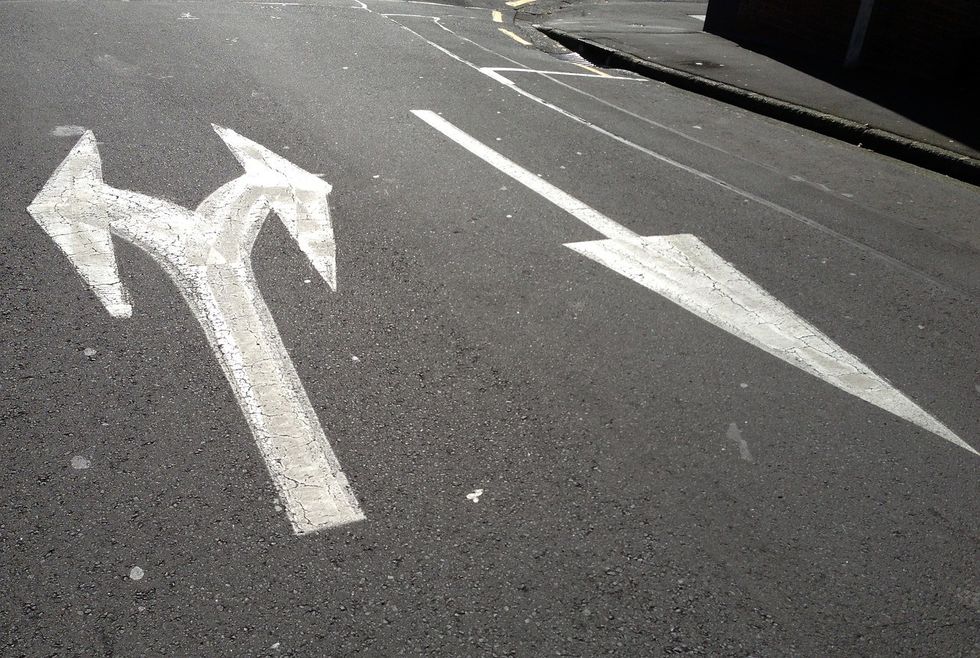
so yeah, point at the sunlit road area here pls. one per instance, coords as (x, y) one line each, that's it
(342, 328)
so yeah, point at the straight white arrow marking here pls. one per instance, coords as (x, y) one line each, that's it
(207, 253)
(687, 272)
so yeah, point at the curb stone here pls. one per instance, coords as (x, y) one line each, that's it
(929, 156)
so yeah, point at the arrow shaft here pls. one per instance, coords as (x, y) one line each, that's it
(577, 209)
(229, 306)
(211, 266)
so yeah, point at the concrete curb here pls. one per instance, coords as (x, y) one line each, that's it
(866, 136)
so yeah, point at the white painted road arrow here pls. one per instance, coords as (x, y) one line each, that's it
(207, 253)
(687, 272)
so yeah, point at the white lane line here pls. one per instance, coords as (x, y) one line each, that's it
(207, 254)
(699, 17)
(518, 3)
(686, 271)
(786, 212)
(432, 18)
(563, 200)
(595, 72)
(771, 205)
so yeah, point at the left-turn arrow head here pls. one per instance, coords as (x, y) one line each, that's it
(68, 208)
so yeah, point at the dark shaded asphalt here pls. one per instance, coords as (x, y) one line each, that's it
(618, 517)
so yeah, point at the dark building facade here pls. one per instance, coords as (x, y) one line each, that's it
(923, 38)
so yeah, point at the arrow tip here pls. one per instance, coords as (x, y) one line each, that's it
(268, 167)
(687, 272)
(67, 209)
(81, 168)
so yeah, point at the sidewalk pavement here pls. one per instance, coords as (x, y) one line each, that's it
(665, 41)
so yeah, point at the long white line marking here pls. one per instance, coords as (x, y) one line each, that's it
(435, 18)
(563, 200)
(786, 212)
(771, 205)
(419, 2)
(207, 253)
(595, 73)
(689, 273)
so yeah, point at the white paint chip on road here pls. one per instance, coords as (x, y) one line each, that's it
(735, 434)
(89, 351)
(80, 463)
(686, 271)
(207, 253)
(136, 573)
(475, 496)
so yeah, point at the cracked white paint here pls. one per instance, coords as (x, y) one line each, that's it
(686, 271)
(207, 253)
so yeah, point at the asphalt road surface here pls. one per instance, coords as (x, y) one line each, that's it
(526, 449)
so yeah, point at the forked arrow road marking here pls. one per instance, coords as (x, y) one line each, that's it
(207, 253)
(686, 271)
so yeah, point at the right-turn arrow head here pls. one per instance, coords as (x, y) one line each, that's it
(298, 197)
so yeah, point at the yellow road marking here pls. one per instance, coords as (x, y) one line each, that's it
(515, 37)
(497, 17)
(519, 3)
(592, 70)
